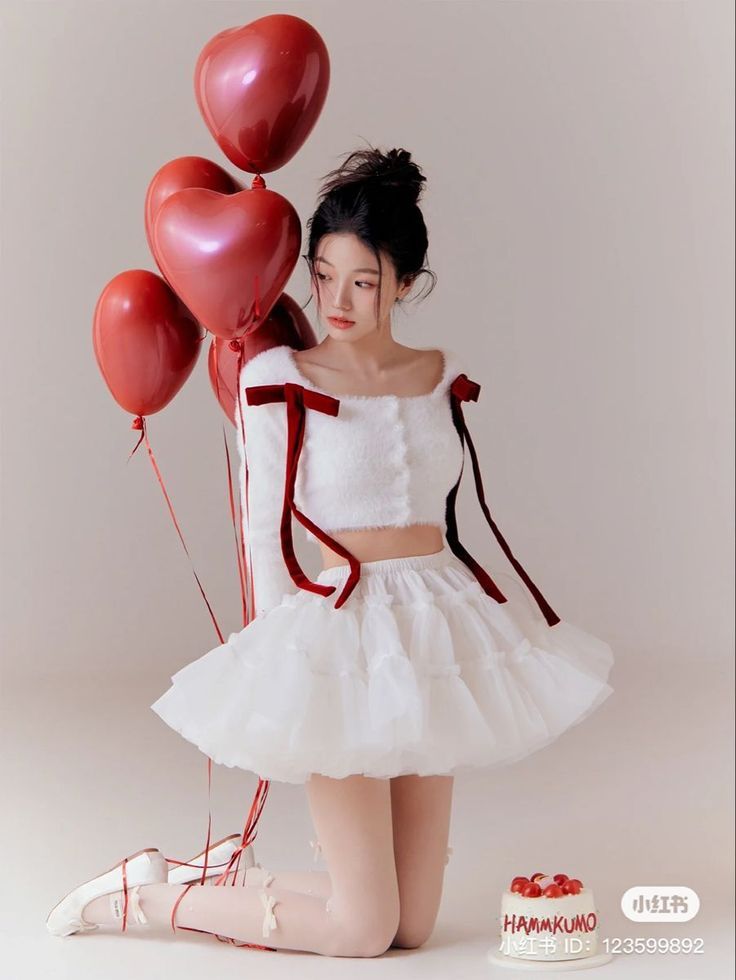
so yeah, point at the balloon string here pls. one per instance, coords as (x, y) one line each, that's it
(140, 423)
(261, 793)
(249, 835)
(237, 346)
(239, 550)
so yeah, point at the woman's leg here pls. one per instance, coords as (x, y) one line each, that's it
(312, 882)
(307, 882)
(352, 817)
(421, 807)
(421, 818)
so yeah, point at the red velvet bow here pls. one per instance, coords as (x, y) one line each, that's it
(463, 389)
(297, 398)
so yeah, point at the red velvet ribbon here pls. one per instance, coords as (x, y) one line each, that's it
(298, 398)
(463, 389)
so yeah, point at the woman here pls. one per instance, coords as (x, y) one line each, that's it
(402, 663)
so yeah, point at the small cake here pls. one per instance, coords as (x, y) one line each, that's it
(548, 918)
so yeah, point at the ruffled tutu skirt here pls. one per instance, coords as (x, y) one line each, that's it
(420, 671)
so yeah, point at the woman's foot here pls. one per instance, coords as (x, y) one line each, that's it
(219, 855)
(145, 867)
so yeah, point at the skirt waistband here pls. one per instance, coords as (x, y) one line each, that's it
(435, 559)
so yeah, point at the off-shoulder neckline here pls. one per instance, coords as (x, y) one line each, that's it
(447, 360)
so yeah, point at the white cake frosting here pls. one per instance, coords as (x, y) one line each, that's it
(560, 928)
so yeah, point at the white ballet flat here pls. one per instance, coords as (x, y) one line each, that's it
(146, 867)
(218, 856)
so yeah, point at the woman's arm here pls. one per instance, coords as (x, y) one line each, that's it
(265, 451)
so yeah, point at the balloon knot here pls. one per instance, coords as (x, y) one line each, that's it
(137, 423)
(258, 181)
(235, 345)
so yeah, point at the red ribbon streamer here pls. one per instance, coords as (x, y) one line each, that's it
(463, 389)
(297, 399)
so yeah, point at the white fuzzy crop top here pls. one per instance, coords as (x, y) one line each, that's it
(344, 462)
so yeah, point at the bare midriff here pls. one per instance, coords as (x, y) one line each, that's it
(376, 543)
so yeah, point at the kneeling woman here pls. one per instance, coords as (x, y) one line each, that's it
(403, 662)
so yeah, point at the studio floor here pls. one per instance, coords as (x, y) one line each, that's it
(94, 776)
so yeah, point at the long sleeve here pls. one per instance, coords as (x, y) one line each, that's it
(265, 451)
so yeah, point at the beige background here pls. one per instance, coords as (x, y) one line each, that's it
(580, 208)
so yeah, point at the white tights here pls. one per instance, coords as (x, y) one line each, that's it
(354, 910)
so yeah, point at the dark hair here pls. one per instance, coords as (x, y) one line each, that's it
(373, 195)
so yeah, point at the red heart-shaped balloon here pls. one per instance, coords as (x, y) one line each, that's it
(145, 340)
(181, 172)
(227, 256)
(285, 324)
(261, 88)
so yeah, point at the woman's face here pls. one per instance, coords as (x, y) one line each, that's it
(347, 285)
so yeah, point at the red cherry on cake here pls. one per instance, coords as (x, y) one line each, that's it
(518, 884)
(560, 879)
(537, 875)
(532, 890)
(572, 886)
(553, 891)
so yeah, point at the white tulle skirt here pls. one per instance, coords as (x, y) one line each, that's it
(420, 671)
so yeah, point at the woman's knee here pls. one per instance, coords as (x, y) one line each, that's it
(363, 941)
(364, 934)
(416, 924)
(413, 936)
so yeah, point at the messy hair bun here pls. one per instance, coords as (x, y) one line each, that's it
(373, 195)
(377, 170)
